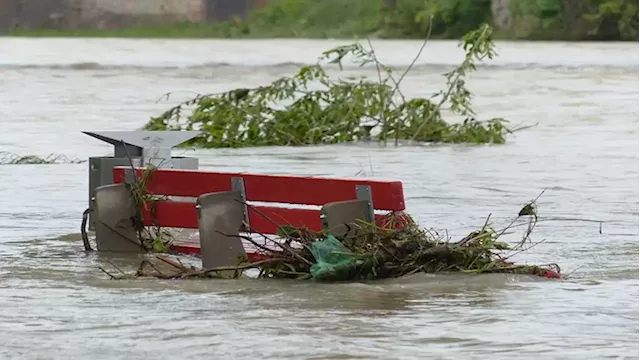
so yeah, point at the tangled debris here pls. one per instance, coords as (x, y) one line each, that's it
(152, 238)
(369, 252)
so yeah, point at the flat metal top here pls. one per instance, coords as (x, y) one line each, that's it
(144, 139)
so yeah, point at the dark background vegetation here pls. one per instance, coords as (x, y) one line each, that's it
(607, 20)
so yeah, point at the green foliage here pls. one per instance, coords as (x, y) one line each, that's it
(550, 12)
(318, 19)
(349, 18)
(575, 20)
(535, 19)
(306, 18)
(614, 19)
(549, 9)
(311, 108)
(531, 19)
(451, 18)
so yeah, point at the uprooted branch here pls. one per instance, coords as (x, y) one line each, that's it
(312, 108)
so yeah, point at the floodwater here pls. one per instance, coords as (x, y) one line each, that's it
(56, 304)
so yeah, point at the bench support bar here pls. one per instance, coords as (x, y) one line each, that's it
(339, 216)
(114, 214)
(220, 217)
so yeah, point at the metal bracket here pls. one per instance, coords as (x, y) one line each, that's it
(219, 224)
(363, 192)
(199, 211)
(323, 220)
(237, 184)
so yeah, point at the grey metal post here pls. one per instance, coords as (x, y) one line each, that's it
(363, 192)
(144, 147)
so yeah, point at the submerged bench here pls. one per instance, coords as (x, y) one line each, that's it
(229, 203)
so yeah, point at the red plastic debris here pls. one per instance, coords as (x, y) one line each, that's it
(550, 274)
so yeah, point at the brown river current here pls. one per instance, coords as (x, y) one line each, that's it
(56, 304)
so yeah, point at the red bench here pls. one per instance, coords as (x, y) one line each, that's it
(284, 190)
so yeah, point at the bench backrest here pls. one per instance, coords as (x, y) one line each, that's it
(384, 195)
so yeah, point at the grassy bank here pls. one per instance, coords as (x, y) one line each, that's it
(521, 19)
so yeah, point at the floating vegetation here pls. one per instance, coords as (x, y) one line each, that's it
(8, 158)
(152, 238)
(310, 107)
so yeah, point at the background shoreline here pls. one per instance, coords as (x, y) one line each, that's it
(531, 20)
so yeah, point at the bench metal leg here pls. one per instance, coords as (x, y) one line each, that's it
(336, 214)
(114, 212)
(363, 192)
(220, 217)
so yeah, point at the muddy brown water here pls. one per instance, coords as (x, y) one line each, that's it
(56, 304)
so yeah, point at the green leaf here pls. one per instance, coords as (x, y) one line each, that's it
(310, 107)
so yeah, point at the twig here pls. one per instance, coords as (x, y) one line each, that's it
(486, 222)
(550, 219)
(136, 242)
(284, 247)
(424, 44)
(115, 266)
(568, 274)
(384, 103)
(244, 266)
(166, 96)
(522, 249)
(106, 272)
(180, 262)
(160, 273)
(524, 127)
(452, 85)
(538, 197)
(516, 218)
(172, 263)
(249, 239)
(126, 151)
